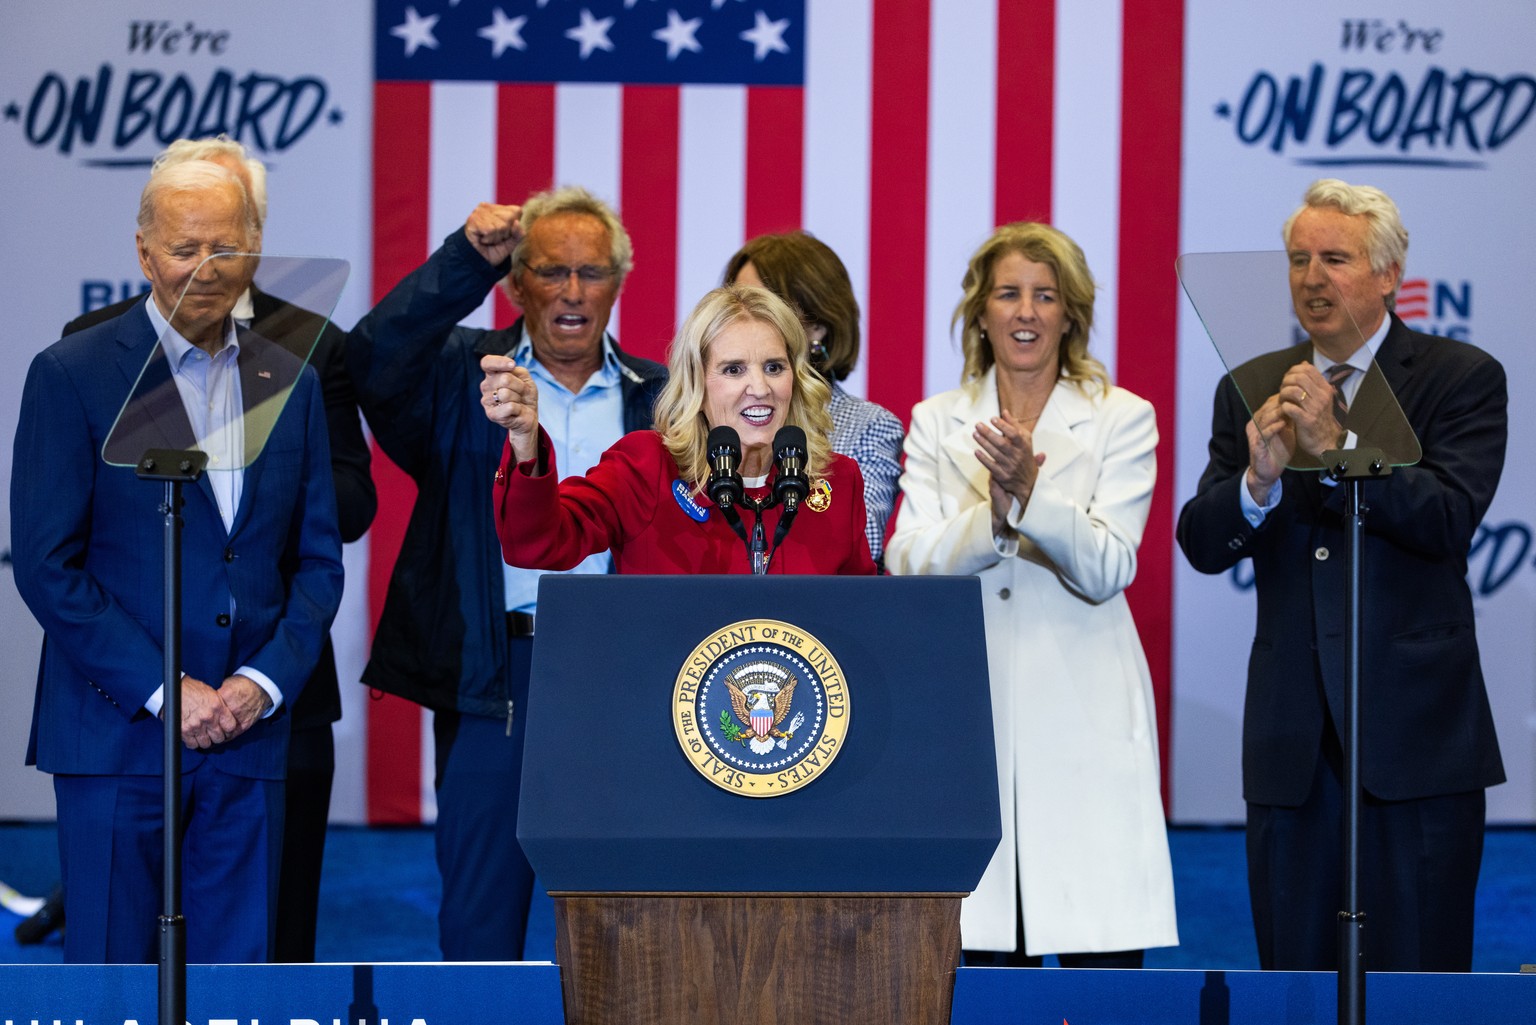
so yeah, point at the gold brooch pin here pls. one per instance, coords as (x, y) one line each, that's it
(820, 498)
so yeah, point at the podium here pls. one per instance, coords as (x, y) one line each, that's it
(832, 894)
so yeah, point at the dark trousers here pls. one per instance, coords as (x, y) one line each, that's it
(111, 851)
(487, 882)
(311, 768)
(1419, 862)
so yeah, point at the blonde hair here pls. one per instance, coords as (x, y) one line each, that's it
(679, 413)
(1038, 243)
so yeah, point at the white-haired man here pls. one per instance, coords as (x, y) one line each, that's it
(1428, 747)
(311, 751)
(262, 579)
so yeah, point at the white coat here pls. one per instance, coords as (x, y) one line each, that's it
(1084, 842)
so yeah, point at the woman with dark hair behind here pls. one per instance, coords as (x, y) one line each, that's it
(805, 272)
(1036, 475)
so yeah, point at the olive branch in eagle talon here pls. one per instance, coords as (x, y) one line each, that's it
(751, 687)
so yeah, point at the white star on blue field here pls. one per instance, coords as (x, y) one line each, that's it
(741, 42)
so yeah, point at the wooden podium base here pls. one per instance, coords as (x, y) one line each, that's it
(757, 958)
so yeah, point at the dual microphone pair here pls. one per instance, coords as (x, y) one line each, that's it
(727, 491)
(725, 486)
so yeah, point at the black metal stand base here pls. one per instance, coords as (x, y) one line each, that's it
(1352, 967)
(173, 468)
(1350, 469)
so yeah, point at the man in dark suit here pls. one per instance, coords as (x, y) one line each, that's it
(261, 582)
(456, 631)
(1428, 747)
(311, 749)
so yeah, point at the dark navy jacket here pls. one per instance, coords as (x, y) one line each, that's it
(442, 638)
(1426, 727)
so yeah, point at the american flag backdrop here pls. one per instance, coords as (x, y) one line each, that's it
(898, 131)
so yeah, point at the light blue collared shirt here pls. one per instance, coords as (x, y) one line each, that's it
(1361, 360)
(210, 392)
(581, 427)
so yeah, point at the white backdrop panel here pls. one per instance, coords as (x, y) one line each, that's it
(89, 92)
(1461, 174)
(1433, 105)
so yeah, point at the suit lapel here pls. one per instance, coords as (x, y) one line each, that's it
(267, 376)
(153, 416)
(1376, 416)
(1054, 434)
(975, 405)
(1260, 377)
(1373, 403)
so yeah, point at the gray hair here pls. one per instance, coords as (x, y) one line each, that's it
(196, 176)
(573, 199)
(219, 147)
(1386, 240)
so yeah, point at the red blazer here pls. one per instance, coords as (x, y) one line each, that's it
(634, 504)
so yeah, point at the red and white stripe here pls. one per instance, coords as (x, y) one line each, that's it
(921, 125)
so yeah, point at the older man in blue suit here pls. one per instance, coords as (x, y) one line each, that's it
(261, 582)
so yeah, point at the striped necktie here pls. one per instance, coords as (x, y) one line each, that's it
(1337, 375)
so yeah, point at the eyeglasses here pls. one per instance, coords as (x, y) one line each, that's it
(589, 275)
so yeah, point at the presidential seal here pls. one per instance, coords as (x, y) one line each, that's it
(760, 708)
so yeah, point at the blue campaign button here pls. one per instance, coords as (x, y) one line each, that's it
(685, 500)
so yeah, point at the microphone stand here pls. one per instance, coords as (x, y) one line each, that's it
(174, 468)
(759, 556)
(757, 549)
(1350, 469)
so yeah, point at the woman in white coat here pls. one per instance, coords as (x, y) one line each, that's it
(1036, 475)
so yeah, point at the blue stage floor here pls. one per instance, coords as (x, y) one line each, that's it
(379, 899)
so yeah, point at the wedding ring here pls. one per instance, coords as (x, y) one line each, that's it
(1303, 395)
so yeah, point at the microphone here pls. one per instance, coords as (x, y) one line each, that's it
(724, 450)
(789, 453)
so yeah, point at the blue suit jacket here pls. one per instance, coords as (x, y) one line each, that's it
(86, 538)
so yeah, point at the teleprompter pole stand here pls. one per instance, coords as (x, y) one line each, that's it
(174, 468)
(1351, 468)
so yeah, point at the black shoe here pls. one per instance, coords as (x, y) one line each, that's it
(44, 922)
